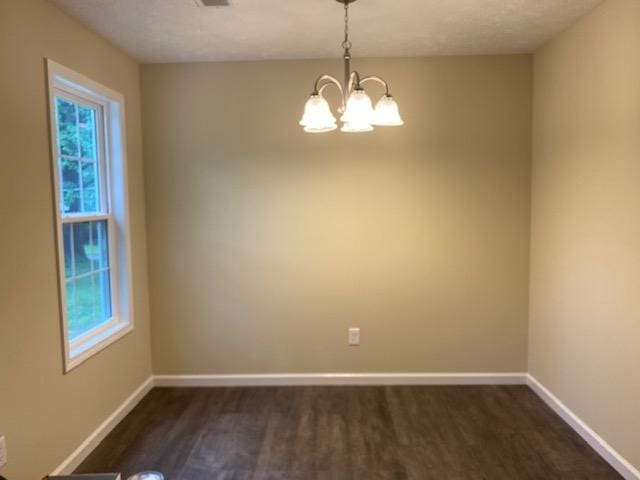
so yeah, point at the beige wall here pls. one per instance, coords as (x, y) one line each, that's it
(43, 413)
(585, 260)
(267, 243)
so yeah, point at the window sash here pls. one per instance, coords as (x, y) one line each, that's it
(114, 327)
(111, 268)
(82, 218)
(95, 332)
(104, 203)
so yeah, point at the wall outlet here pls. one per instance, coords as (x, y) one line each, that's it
(354, 337)
(3, 452)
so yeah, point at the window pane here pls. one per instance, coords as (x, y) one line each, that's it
(66, 116)
(78, 157)
(71, 300)
(89, 187)
(81, 317)
(100, 249)
(87, 132)
(90, 250)
(92, 305)
(68, 253)
(102, 294)
(87, 265)
(69, 171)
(82, 247)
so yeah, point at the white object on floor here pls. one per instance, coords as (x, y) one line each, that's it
(147, 476)
(3, 452)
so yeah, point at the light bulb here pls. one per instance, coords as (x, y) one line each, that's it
(386, 113)
(317, 116)
(358, 112)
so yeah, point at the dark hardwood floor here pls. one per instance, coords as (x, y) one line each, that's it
(313, 433)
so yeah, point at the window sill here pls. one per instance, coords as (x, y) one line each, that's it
(96, 344)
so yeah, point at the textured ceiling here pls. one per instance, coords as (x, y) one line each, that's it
(179, 31)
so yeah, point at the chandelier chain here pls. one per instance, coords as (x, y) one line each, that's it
(346, 44)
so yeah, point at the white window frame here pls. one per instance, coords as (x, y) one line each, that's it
(66, 83)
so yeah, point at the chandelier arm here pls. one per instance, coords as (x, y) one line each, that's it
(354, 82)
(324, 86)
(328, 79)
(378, 80)
(325, 81)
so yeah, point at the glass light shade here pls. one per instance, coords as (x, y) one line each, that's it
(330, 128)
(350, 127)
(359, 110)
(317, 116)
(386, 113)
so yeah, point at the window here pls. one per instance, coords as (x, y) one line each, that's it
(89, 171)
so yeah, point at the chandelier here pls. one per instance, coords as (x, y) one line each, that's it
(357, 112)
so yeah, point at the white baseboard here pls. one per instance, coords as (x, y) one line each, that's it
(606, 451)
(92, 441)
(294, 379)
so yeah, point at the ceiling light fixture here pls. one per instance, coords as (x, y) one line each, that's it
(358, 114)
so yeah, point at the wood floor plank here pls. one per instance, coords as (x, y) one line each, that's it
(347, 433)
